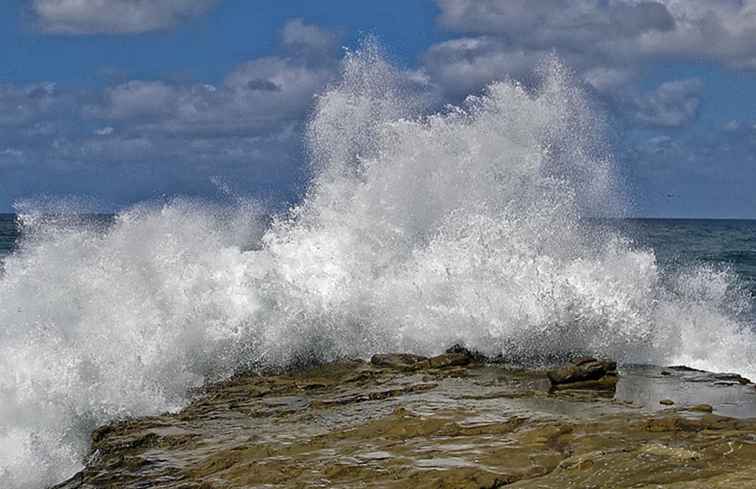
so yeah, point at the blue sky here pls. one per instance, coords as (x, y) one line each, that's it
(120, 101)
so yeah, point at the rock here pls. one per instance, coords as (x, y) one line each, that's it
(450, 360)
(401, 361)
(701, 408)
(684, 368)
(670, 424)
(474, 356)
(717, 378)
(258, 431)
(733, 378)
(679, 454)
(585, 373)
(666, 372)
(667, 402)
(75, 482)
(457, 356)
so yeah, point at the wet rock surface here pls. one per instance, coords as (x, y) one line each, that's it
(403, 361)
(402, 422)
(585, 373)
(695, 375)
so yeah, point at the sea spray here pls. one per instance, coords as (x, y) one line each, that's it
(469, 225)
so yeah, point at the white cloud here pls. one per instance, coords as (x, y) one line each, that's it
(139, 99)
(720, 30)
(258, 96)
(608, 79)
(465, 65)
(154, 137)
(723, 31)
(607, 42)
(672, 104)
(551, 22)
(115, 16)
(297, 35)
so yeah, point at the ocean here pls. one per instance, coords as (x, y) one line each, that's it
(726, 244)
(416, 232)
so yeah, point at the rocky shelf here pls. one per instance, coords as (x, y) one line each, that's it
(453, 421)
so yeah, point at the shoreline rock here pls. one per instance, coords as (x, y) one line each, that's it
(585, 373)
(401, 361)
(399, 422)
(455, 356)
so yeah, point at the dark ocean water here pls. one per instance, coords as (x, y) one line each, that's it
(8, 233)
(722, 243)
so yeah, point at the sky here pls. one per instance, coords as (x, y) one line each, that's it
(114, 102)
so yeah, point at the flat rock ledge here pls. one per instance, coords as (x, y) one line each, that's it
(411, 422)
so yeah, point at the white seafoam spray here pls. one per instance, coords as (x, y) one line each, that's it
(468, 225)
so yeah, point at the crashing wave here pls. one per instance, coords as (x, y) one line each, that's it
(418, 231)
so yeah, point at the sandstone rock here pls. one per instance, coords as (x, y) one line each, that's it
(679, 454)
(585, 373)
(701, 408)
(257, 431)
(450, 360)
(401, 361)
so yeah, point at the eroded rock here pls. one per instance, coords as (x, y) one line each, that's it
(732, 378)
(400, 361)
(449, 360)
(701, 408)
(717, 378)
(585, 373)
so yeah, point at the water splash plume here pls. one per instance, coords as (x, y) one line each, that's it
(417, 231)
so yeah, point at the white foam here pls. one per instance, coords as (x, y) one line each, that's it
(416, 232)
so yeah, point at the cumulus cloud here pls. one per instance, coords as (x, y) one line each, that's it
(258, 96)
(154, 137)
(672, 104)
(720, 30)
(300, 36)
(607, 42)
(138, 100)
(465, 65)
(551, 22)
(115, 16)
